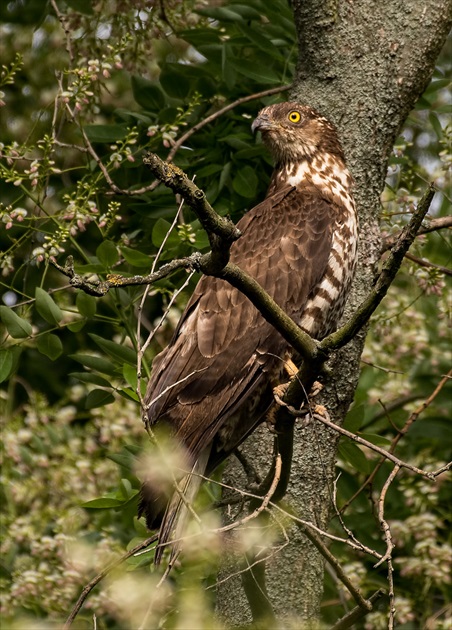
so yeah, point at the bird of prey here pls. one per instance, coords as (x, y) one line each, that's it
(214, 382)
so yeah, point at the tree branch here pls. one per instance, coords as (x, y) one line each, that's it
(244, 99)
(100, 288)
(349, 620)
(426, 263)
(95, 581)
(390, 268)
(400, 433)
(432, 226)
(221, 231)
(356, 438)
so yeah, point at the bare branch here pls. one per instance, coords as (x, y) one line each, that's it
(99, 288)
(389, 545)
(426, 263)
(400, 433)
(349, 620)
(324, 419)
(244, 99)
(329, 557)
(95, 581)
(432, 226)
(390, 268)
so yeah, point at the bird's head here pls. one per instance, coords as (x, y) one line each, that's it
(295, 132)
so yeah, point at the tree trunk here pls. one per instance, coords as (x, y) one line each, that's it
(362, 64)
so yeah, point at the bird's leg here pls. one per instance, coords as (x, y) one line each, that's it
(280, 390)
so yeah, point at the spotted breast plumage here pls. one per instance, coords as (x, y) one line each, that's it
(213, 384)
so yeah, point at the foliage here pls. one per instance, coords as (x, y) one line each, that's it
(81, 103)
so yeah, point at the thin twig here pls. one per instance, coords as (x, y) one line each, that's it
(358, 546)
(89, 587)
(145, 623)
(389, 545)
(265, 501)
(400, 433)
(244, 99)
(426, 263)
(432, 226)
(141, 349)
(356, 438)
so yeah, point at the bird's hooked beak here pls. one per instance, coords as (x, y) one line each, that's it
(262, 123)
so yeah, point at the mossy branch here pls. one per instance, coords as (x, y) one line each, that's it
(221, 230)
(389, 271)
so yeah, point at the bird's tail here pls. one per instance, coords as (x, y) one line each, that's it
(178, 511)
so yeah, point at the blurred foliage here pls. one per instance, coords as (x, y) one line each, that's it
(84, 92)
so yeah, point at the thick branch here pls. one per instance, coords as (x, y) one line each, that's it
(221, 231)
(390, 268)
(349, 620)
(274, 314)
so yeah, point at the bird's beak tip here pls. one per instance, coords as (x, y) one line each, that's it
(256, 124)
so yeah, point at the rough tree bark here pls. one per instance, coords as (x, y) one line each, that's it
(363, 64)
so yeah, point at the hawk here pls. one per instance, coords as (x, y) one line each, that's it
(214, 382)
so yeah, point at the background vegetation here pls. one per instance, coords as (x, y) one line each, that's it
(85, 89)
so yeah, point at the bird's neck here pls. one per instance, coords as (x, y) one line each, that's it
(325, 171)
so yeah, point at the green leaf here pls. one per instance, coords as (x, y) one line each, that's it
(49, 345)
(98, 398)
(173, 82)
(107, 253)
(94, 363)
(76, 325)
(135, 258)
(81, 6)
(259, 73)
(125, 488)
(6, 364)
(129, 394)
(160, 232)
(436, 124)
(103, 503)
(354, 456)
(245, 182)
(89, 377)
(86, 304)
(47, 308)
(147, 94)
(130, 374)
(115, 350)
(17, 327)
(262, 42)
(105, 133)
(126, 461)
(221, 14)
(354, 418)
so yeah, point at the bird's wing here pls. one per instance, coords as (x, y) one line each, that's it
(223, 348)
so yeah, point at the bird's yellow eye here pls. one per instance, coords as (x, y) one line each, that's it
(294, 116)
